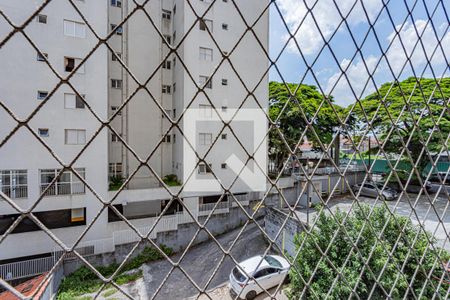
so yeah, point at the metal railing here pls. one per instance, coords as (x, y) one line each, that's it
(74, 188)
(15, 192)
(27, 268)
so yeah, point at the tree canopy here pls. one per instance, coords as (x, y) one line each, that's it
(289, 105)
(404, 105)
(399, 257)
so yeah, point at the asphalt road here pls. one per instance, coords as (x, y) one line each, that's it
(200, 263)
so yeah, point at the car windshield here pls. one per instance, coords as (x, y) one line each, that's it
(238, 275)
(273, 262)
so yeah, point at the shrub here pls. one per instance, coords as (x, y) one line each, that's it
(85, 281)
(171, 180)
(355, 275)
(115, 182)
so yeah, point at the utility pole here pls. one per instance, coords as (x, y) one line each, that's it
(308, 192)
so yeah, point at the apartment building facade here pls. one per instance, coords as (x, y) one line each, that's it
(157, 66)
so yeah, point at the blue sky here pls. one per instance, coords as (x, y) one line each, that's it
(326, 69)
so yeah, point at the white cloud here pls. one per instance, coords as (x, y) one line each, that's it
(409, 37)
(327, 17)
(358, 76)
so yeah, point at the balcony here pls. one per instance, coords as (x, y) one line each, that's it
(64, 188)
(15, 192)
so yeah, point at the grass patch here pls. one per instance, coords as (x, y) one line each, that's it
(84, 281)
(109, 292)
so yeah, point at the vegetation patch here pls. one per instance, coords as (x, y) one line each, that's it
(85, 281)
(171, 180)
(392, 255)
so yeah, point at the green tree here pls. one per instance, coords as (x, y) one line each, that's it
(291, 120)
(404, 104)
(354, 275)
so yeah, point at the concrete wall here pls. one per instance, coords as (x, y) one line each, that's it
(273, 221)
(177, 240)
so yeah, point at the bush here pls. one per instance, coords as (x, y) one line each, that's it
(171, 180)
(115, 183)
(355, 275)
(84, 281)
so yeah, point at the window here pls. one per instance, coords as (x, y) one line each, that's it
(42, 19)
(223, 166)
(71, 63)
(174, 138)
(206, 110)
(166, 139)
(14, 183)
(166, 14)
(174, 61)
(116, 83)
(116, 56)
(204, 23)
(68, 183)
(265, 272)
(77, 215)
(43, 132)
(168, 38)
(166, 89)
(174, 113)
(224, 26)
(41, 57)
(41, 95)
(224, 136)
(174, 87)
(115, 170)
(206, 54)
(205, 80)
(73, 101)
(114, 108)
(74, 29)
(224, 108)
(205, 139)
(116, 3)
(75, 136)
(174, 36)
(166, 64)
(114, 138)
(116, 29)
(224, 81)
(204, 168)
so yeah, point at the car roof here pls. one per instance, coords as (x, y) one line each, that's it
(253, 264)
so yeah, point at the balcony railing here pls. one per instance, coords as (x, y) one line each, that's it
(15, 192)
(64, 188)
(205, 209)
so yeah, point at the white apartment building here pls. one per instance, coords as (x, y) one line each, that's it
(167, 80)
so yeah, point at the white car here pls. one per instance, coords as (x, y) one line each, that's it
(268, 272)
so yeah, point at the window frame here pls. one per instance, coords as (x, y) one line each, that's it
(73, 23)
(205, 54)
(205, 138)
(61, 182)
(80, 136)
(15, 183)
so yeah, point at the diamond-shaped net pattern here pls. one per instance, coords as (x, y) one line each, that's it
(350, 241)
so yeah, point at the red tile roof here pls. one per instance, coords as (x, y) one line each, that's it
(27, 288)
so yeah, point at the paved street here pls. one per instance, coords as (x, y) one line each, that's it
(200, 263)
(427, 215)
